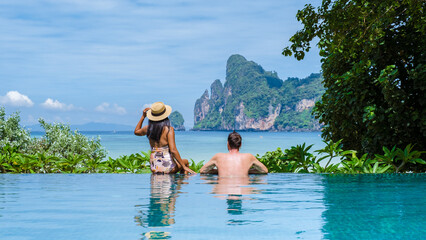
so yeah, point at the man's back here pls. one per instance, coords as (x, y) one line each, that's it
(234, 163)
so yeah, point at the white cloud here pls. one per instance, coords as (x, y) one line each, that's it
(56, 105)
(16, 99)
(147, 105)
(108, 108)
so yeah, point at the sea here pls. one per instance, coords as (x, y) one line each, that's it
(202, 145)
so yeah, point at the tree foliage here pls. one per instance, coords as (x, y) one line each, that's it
(373, 63)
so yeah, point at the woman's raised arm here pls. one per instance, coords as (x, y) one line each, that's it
(139, 130)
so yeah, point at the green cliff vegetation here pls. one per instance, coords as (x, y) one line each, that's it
(254, 99)
(374, 69)
(176, 120)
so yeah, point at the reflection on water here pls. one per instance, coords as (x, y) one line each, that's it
(162, 205)
(288, 206)
(235, 204)
(234, 190)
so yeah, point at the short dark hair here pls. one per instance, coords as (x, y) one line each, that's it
(234, 140)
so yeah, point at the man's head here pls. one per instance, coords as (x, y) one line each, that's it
(234, 140)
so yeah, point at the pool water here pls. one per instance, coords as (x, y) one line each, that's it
(273, 206)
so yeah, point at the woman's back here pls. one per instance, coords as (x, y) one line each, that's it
(163, 141)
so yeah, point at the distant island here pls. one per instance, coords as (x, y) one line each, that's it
(253, 99)
(90, 127)
(177, 121)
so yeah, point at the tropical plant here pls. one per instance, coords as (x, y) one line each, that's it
(374, 71)
(93, 165)
(25, 164)
(274, 161)
(111, 165)
(330, 151)
(8, 154)
(408, 156)
(128, 164)
(301, 158)
(71, 164)
(196, 166)
(398, 158)
(134, 163)
(353, 164)
(46, 163)
(332, 168)
(295, 159)
(375, 166)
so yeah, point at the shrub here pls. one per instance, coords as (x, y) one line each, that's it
(60, 141)
(298, 159)
(11, 133)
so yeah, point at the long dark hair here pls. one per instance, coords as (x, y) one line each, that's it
(155, 128)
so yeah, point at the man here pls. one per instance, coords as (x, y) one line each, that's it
(234, 163)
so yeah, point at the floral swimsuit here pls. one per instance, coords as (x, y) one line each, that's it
(161, 160)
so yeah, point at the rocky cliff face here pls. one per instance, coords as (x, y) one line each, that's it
(243, 122)
(305, 104)
(202, 107)
(254, 99)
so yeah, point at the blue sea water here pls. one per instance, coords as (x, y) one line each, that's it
(273, 206)
(202, 145)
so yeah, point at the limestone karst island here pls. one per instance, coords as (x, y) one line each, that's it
(253, 99)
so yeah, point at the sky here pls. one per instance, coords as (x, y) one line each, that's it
(80, 61)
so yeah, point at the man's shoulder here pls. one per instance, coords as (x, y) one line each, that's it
(221, 154)
(248, 154)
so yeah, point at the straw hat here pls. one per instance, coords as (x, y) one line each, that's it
(158, 111)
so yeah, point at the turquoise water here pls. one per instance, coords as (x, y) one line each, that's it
(274, 206)
(203, 145)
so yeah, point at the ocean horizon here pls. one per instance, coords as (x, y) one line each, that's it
(202, 145)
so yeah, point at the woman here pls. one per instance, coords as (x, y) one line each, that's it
(165, 157)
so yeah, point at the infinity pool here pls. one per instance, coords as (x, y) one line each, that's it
(274, 206)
